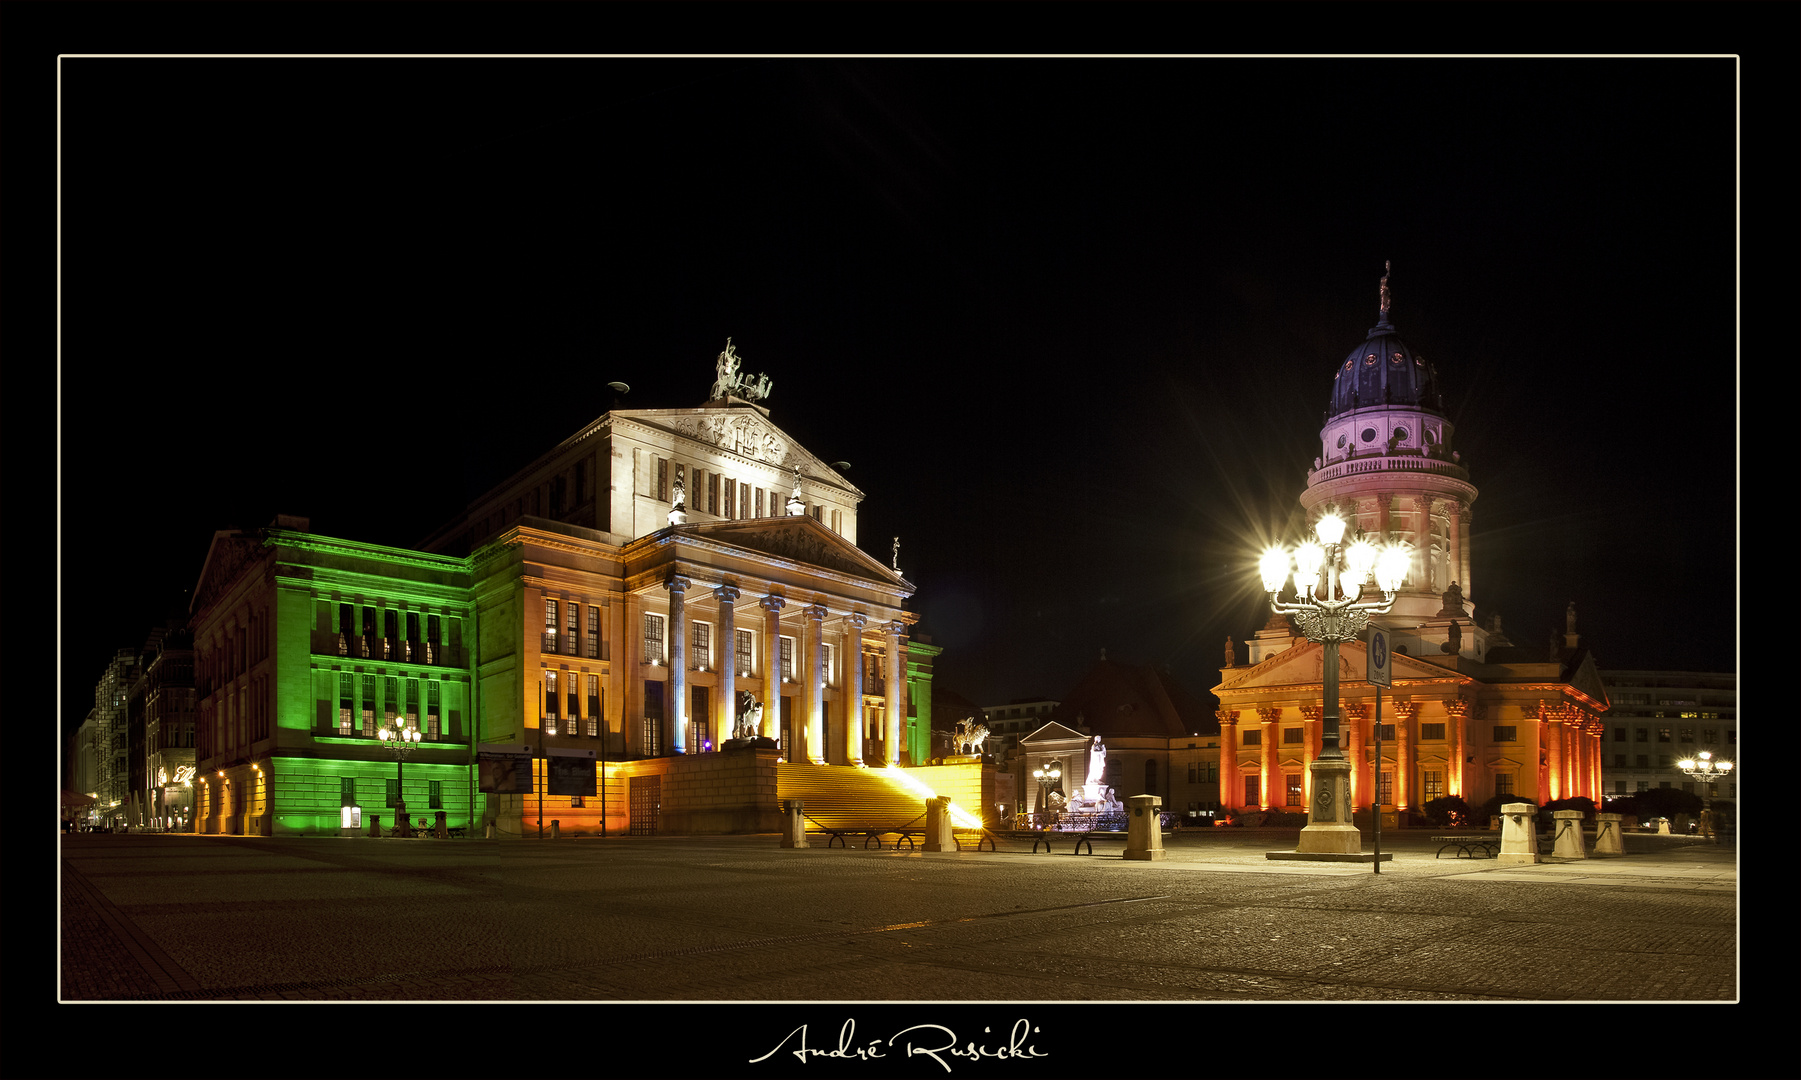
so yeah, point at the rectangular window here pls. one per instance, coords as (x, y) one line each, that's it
(743, 500)
(346, 791)
(787, 659)
(1663, 734)
(713, 493)
(1619, 734)
(433, 638)
(393, 792)
(433, 730)
(1504, 784)
(731, 495)
(1506, 733)
(594, 705)
(1388, 732)
(1435, 785)
(1619, 787)
(1642, 761)
(571, 693)
(1291, 736)
(1642, 735)
(701, 644)
(369, 705)
(744, 651)
(1252, 789)
(653, 718)
(435, 795)
(701, 718)
(1191, 772)
(1253, 738)
(1707, 735)
(662, 479)
(1619, 761)
(759, 502)
(829, 672)
(346, 704)
(593, 632)
(550, 701)
(570, 630)
(1293, 782)
(1644, 785)
(1430, 732)
(550, 626)
(653, 638)
(1686, 734)
(1387, 795)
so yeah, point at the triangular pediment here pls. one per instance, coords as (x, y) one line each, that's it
(1052, 732)
(1586, 679)
(1301, 665)
(742, 430)
(798, 539)
(225, 560)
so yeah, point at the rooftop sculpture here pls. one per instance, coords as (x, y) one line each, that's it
(731, 382)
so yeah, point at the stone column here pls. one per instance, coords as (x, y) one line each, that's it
(1311, 718)
(1454, 541)
(853, 704)
(1551, 735)
(772, 669)
(1421, 572)
(1355, 723)
(1463, 549)
(897, 692)
(1457, 713)
(1229, 792)
(1404, 752)
(1382, 504)
(726, 711)
(678, 661)
(1272, 771)
(814, 699)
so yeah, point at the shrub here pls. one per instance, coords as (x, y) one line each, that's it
(1450, 810)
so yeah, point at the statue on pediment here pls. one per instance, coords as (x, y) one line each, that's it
(730, 381)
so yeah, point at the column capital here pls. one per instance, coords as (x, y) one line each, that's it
(1313, 714)
(772, 604)
(894, 628)
(677, 583)
(856, 621)
(1269, 713)
(1405, 710)
(1226, 716)
(816, 612)
(727, 594)
(1353, 710)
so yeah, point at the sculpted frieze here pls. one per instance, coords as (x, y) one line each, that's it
(741, 434)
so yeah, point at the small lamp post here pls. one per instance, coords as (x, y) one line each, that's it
(1709, 770)
(1047, 776)
(402, 738)
(1329, 576)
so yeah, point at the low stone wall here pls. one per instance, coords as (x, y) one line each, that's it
(729, 792)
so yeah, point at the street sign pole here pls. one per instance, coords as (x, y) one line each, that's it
(1380, 675)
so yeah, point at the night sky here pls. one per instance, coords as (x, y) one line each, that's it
(1073, 322)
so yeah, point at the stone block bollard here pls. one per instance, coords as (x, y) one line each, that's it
(1609, 840)
(1568, 844)
(938, 825)
(1663, 826)
(375, 825)
(1144, 828)
(488, 831)
(1519, 841)
(443, 826)
(794, 827)
(556, 829)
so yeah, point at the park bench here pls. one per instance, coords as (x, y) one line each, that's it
(1468, 846)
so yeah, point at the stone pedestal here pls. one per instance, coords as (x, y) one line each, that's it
(1144, 832)
(556, 829)
(938, 825)
(443, 825)
(1568, 844)
(1330, 835)
(794, 827)
(1519, 843)
(1609, 840)
(1663, 826)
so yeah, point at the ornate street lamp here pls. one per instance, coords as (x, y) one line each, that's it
(402, 738)
(1047, 777)
(1705, 768)
(1329, 576)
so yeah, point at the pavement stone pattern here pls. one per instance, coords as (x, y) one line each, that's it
(168, 918)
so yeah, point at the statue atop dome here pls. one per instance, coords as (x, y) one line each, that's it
(1386, 270)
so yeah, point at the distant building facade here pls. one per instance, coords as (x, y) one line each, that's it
(1661, 717)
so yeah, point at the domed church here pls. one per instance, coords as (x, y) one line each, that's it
(1469, 714)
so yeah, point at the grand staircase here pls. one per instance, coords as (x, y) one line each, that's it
(845, 797)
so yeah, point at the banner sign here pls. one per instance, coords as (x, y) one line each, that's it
(504, 770)
(571, 772)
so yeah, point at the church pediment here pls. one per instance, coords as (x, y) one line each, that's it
(1053, 732)
(798, 539)
(1586, 680)
(1304, 665)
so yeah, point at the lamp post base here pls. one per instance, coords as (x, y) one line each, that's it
(1330, 830)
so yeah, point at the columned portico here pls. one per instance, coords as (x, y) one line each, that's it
(1404, 755)
(1230, 787)
(853, 672)
(1272, 771)
(896, 712)
(726, 710)
(772, 668)
(678, 660)
(814, 694)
